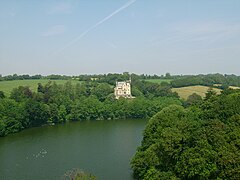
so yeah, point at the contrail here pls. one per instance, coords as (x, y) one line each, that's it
(96, 25)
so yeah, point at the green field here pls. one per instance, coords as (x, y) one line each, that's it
(184, 92)
(158, 80)
(8, 86)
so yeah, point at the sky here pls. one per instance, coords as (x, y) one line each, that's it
(75, 37)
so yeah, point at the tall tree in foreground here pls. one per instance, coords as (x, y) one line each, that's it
(199, 142)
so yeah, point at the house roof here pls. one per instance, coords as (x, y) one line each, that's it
(121, 83)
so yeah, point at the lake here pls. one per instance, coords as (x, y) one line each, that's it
(103, 148)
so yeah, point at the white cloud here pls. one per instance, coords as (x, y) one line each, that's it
(54, 30)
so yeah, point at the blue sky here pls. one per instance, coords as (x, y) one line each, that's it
(101, 36)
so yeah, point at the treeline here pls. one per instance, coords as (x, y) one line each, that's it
(54, 103)
(37, 76)
(107, 78)
(110, 78)
(198, 142)
(222, 81)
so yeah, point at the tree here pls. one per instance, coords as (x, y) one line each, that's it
(102, 91)
(80, 90)
(2, 95)
(168, 76)
(198, 142)
(136, 92)
(210, 93)
(40, 88)
(12, 116)
(2, 127)
(38, 113)
(21, 93)
(193, 99)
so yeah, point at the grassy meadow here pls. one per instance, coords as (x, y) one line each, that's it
(184, 92)
(8, 86)
(234, 87)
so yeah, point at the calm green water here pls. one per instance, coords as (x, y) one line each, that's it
(103, 148)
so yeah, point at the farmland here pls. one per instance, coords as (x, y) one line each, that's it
(184, 92)
(8, 86)
(234, 87)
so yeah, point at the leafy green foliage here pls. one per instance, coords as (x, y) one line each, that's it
(150, 89)
(207, 80)
(2, 95)
(55, 103)
(102, 91)
(199, 142)
(194, 99)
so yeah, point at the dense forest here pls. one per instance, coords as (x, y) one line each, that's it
(93, 99)
(54, 103)
(201, 141)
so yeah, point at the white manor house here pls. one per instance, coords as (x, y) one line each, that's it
(123, 89)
